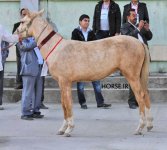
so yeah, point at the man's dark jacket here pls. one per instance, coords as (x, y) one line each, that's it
(114, 17)
(129, 29)
(142, 11)
(77, 35)
(16, 25)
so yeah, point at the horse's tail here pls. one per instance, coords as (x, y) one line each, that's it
(145, 69)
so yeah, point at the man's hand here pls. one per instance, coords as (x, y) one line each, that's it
(141, 24)
(146, 26)
(20, 38)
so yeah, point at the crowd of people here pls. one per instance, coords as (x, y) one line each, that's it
(106, 23)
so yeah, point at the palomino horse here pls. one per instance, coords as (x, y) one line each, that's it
(69, 61)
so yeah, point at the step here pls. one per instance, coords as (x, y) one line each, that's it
(110, 95)
(108, 82)
(114, 89)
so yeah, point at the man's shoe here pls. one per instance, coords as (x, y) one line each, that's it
(43, 106)
(19, 86)
(1, 108)
(37, 115)
(132, 106)
(84, 106)
(27, 117)
(104, 105)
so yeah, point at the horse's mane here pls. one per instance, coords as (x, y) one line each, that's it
(52, 24)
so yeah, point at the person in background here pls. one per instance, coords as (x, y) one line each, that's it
(140, 9)
(84, 33)
(31, 66)
(6, 37)
(143, 33)
(106, 19)
(19, 84)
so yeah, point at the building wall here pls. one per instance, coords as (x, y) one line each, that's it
(65, 14)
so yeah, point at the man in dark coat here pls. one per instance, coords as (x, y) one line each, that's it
(141, 32)
(107, 19)
(19, 85)
(140, 8)
(83, 33)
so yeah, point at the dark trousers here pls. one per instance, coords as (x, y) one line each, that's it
(132, 98)
(18, 61)
(102, 34)
(43, 86)
(1, 85)
(97, 90)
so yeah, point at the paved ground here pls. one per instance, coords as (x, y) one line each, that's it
(96, 129)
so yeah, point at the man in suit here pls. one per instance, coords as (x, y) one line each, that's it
(84, 33)
(140, 9)
(31, 66)
(19, 85)
(141, 32)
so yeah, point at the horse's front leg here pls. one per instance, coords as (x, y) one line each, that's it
(66, 99)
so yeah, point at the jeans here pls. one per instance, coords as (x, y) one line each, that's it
(132, 98)
(97, 90)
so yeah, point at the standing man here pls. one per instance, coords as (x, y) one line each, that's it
(4, 36)
(83, 33)
(140, 9)
(19, 84)
(107, 19)
(31, 66)
(141, 32)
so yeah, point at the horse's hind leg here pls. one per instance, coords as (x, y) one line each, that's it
(149, 117)
(66, 99)
(139, 94)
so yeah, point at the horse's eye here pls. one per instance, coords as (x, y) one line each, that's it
(22, 22)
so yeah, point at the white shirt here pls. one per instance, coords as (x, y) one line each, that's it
(85, 33)
(104, 23)
(136, 10)
(6, 36)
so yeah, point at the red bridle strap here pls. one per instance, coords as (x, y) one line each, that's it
(53, 48)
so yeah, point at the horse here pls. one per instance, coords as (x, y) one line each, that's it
(71, 61)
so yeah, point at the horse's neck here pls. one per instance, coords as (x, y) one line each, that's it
(40, 33)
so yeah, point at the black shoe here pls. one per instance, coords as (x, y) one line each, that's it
(1, 108)
(37, 115)
(19, 86)
(132, 106)
(27, 117)
(84, 106)
(43, 106)
(104, 105)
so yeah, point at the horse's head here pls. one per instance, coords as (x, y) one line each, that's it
(26, 25)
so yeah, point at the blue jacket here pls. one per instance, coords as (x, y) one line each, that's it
(29, 60)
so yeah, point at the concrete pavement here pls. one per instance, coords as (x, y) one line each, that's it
(95, 129)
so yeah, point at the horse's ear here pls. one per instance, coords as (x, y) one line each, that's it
(40, 13)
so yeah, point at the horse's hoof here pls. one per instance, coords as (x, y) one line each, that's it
(67, 135)
(138, 133)
(60, 133)
(149, 128)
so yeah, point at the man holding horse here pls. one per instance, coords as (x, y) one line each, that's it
(141, 32)
(84, 33)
